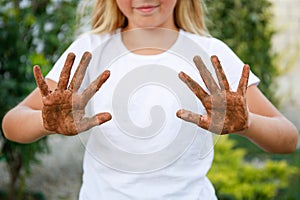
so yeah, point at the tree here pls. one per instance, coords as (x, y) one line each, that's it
(31, 32)
(246, 27)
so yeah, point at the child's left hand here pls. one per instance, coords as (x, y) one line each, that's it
(226, 111)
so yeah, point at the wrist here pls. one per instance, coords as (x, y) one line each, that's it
(43, 130)
(246, 131)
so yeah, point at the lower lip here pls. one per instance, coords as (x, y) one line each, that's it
(146, 10)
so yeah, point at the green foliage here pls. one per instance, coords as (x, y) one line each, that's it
(246, 27)
(292, 191)
(31, 32)
(37, 32)
(234, 178)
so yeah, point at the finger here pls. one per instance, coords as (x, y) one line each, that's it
(94, 86)
(80, 72)
(193, 85)
(206, 76)
(197, 119)
(89, 122)
(40, 81)
(242, 88)
(223, 82)
(66, 71)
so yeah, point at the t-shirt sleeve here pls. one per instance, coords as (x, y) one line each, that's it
(231, 63)
(78, 47)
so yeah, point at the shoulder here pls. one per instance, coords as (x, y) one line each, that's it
(231, 63)
(214, 46)
(85, 42)
(209, 43)
(88, 41)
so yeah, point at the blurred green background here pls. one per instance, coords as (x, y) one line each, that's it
(38, 31)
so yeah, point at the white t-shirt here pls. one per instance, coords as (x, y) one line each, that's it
(145, 151)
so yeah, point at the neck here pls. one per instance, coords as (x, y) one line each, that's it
(149, 41)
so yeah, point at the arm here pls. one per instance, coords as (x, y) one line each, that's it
(24, 123)
(268, 128)
(55, 108)
(246, 112)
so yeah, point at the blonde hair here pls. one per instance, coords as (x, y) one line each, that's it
(188, 15)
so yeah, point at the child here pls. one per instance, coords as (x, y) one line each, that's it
(138, 44)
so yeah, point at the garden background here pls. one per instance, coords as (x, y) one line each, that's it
(30, 31)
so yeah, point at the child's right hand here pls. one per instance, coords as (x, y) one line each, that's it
(64, 108)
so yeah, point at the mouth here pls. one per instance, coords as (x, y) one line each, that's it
(146, 9)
